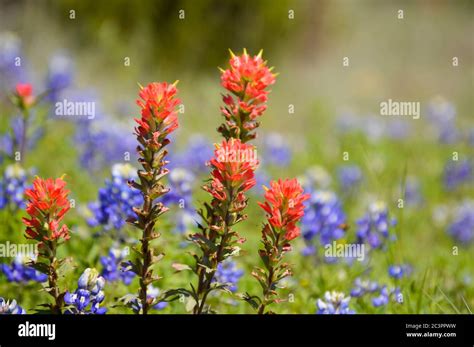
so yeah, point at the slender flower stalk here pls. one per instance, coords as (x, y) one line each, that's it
(24, 99)
(47, 204)
(158, 104)
(233, 168)
(284, 207)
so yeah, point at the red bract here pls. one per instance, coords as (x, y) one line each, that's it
(248, 79)
(233, 166)
(25, 92)
(158, 115)
(47, 204)
(284, 206)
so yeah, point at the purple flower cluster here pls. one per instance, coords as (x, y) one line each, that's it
(12, 187)
(399, 271)
(181, 183)
(227, 272)
(334, 303)
(380, 294)
(116, 200)
(152, 293)
(442, 115)
(323, 221)
(19, 272)
(457, 174)
(10, 307)
(112, 266)
(462, 228)
(350, 176)
(275, 150)
(88, 295)
(60, 75)
(374, 228)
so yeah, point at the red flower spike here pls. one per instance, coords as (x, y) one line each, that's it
(24, 91)
(47, 204)
(284, 206)
(248, 79)
(234, 164)
(158, 115)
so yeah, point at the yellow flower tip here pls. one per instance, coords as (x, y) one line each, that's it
(265, 188)
(217, 146)
(139, 85)
(62, 176)
(245, 51)
(175, 83)
(259, 55)
(221, 69)
(231, 53)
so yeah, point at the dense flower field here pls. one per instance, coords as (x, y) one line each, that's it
(248, 224)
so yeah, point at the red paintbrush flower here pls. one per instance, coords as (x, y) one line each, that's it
(158, 111)
(233, 166)
(247, 79)
(47, 204)
(284, 206)
(24, 91)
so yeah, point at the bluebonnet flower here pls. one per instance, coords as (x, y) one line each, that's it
(10, 307)
(363, 287)
(374, 227)
(227, 272)
(181, 181)
(384, 296)
(197, 153)
(88, 295)
(349, 176)
(10, 50)
(276, 150)
(458, 173)
(334, 303)
(413, 195)
(152, 293)
(60, 75)
(442, 115)
(399, 271)
(462, 228)
(19, 272)
(112, 266)
(323, 221)
(116, 200)
(12, 187)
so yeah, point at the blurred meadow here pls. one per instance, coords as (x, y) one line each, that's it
(323, 125)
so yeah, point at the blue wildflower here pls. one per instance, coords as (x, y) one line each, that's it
(12, 187)
(112, 266)
(10, 307)
(457, 173)
(19, 272)
(349, 176)
(152, 293)
(442, 115)
(194, 158)
(89, 292)
(334, 303)
(384, 296)
(227, 272)
(363, 287)
(462, 228)
(323, 221)
(399, 271)
(60, 75)
(276, 150)
(374, 227)
(116, 200)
